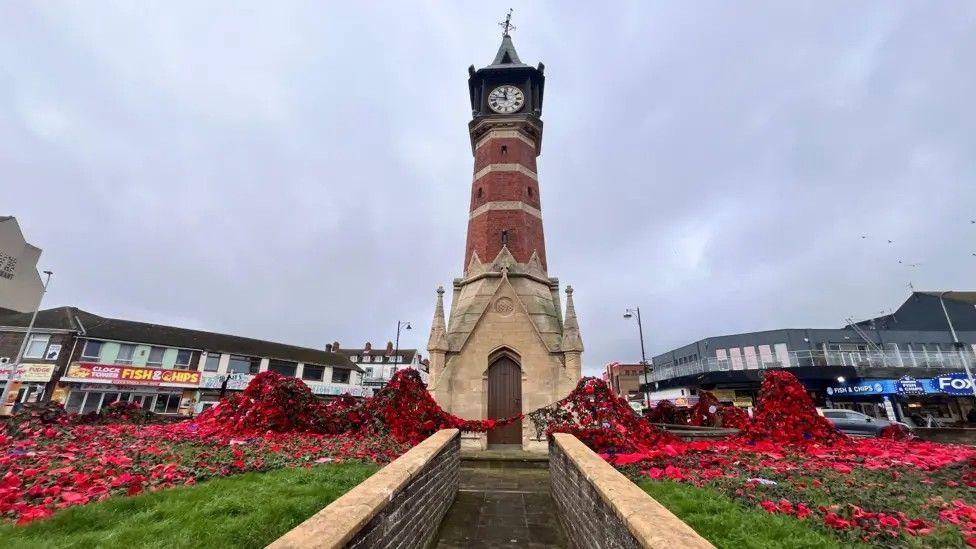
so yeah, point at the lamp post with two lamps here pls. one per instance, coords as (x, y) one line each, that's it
(630, 313)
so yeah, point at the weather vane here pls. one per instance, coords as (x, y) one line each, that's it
(507, 25)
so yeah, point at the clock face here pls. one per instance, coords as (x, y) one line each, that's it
(506, 99)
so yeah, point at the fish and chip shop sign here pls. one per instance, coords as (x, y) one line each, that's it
(867, 388)
(908, 385)
(956, 384)
(953, 384)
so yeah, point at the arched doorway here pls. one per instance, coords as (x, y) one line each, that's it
(505, 400)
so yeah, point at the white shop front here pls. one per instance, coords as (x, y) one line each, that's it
(211, 385)
(30, 383)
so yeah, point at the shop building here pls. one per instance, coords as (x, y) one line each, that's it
(166, 369)
(228, 363)
(379, 365)
(942, 400)
(931, 334)
(624, 379)
(45, 355)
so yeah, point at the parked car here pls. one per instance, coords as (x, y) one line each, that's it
(856, 423)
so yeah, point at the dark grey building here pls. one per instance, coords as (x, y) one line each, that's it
(931, 337)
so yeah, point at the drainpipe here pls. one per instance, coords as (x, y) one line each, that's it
(959, 346)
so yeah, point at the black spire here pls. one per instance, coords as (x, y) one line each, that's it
(506, 53)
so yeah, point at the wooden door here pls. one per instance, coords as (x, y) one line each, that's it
(505, 400)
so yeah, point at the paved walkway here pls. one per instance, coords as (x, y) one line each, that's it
(502, 506)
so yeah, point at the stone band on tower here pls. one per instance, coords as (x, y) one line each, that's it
(505, 347)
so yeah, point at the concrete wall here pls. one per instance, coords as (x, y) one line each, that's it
(599, 507)
(20, 283)
(947, 435)
(400, 506)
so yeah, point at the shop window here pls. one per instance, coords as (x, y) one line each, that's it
(75, 400)
(183, 358)
(92, 403)
(283, 367)
(212, 363)
(155, 356)
(166, 404)
(312, 372)
(37, 345)
(126, 351)
(340, 375)
(92, 350)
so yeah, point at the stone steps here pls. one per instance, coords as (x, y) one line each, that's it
(504, 459)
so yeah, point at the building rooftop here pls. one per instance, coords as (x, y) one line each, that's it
(99, 327)
(407, 354)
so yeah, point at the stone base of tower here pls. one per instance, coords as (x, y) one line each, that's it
(506, 349)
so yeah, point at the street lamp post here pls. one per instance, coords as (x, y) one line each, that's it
(396, 349)
(12, 376)
(629, 313)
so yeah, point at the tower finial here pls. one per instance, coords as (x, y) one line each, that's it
(571, 340)
(438, 329)
(507, 25)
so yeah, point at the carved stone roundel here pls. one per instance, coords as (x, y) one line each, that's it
(504, 306)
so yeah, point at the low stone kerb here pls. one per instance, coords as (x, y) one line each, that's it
(651, 524)
(338, 523)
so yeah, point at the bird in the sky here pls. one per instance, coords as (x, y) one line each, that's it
(890, 241)
(863, 236)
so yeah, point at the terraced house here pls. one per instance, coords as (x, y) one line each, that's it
(87, 361)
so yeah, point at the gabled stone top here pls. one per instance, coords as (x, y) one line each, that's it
(536, 292)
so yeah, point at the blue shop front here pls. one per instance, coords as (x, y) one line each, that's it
(943, 400)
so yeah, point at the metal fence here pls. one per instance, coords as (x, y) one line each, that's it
(935, 360)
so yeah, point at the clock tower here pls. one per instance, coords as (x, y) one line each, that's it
(505, 347)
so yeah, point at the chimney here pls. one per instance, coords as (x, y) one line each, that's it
(335, 346)
(389, 348)
(328, 347)
(368, 347)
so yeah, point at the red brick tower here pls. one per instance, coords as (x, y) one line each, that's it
(506, 137)
(505, 346)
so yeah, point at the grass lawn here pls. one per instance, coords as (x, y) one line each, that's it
(248, 510)
(728, 524)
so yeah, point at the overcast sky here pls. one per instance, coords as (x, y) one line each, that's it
(301, 172)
